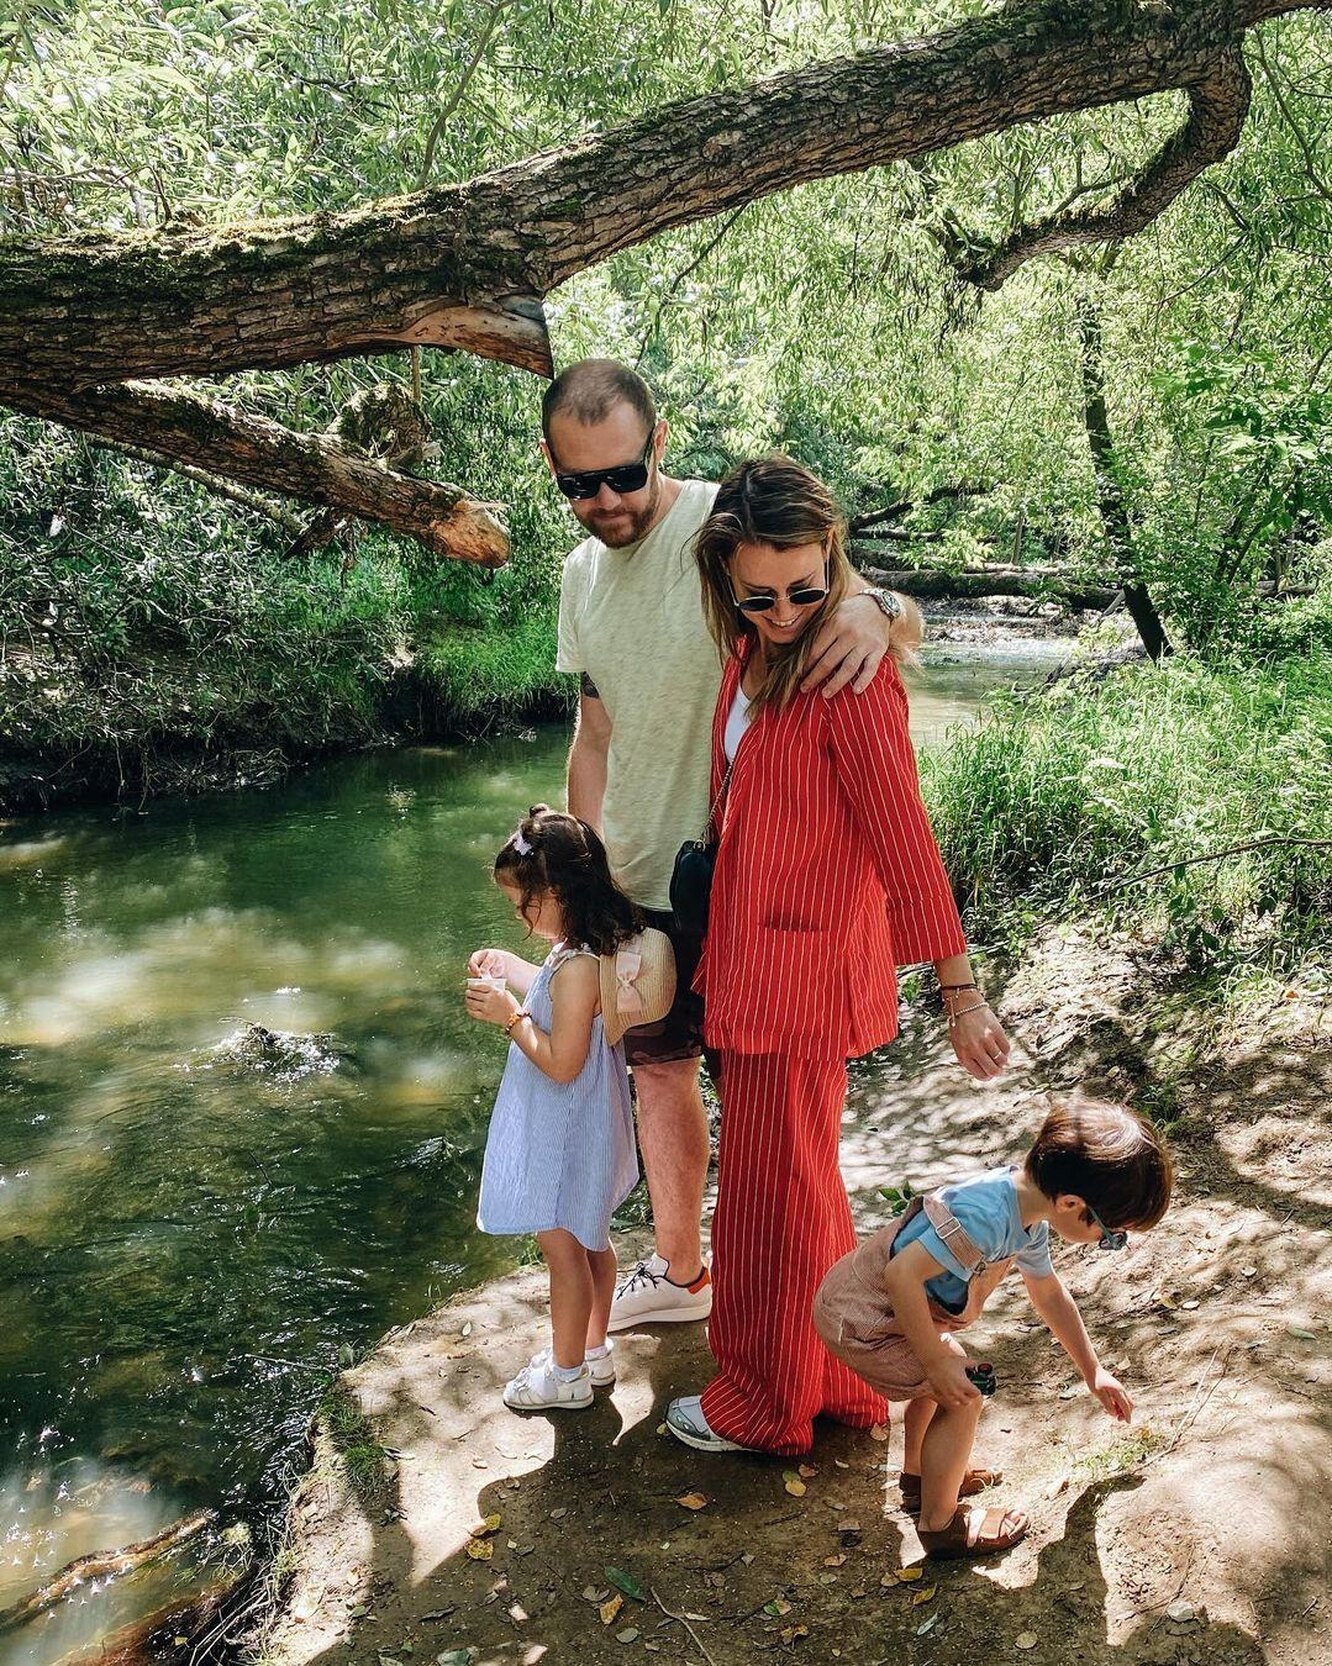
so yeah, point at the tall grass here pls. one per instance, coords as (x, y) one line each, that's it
(1059, 800)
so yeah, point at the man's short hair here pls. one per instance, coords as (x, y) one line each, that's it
(591, 389)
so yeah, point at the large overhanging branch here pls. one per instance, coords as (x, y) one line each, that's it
(469, 266)
(1218, 107)
(315, 468)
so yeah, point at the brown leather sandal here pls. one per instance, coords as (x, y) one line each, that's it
(957, 1541)
(974, 1481)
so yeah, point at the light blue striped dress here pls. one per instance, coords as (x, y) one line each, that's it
(559, 1154)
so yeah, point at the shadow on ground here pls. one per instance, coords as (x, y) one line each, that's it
(1197, 1538)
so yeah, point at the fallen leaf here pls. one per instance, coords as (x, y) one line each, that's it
(693, 1500)
(608, 1610)
(845, 1527)
(834, 1561)
(927, 1593)
(793, 1484)
(518, 1613)
(790, 1633)
(437, 1614)
(747, 1557)
(828, 1578)
(776, 1608)
(455, 1657)
(1070, 1393)
(808, 1472)
(625, 1582)
(523, 1550)
(879, 1432)
(560, 1513)
(485, 1527)
(841, 1463)
(481, 1550)
(903, 1576)
(928, 1625)
(591, 1594)
(859, 1592)
(1191, 1303)
(1300, 1332)
(628, 1635)
(1026, 1640)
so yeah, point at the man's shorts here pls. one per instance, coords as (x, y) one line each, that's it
(680, 1034)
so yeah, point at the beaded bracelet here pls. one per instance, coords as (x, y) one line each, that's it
(976, 1006)
(522, 1012)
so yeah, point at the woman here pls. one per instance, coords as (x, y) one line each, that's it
(827, 878)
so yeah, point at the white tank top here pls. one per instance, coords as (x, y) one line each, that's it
(736, 723)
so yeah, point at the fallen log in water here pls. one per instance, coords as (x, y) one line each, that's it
(104, 1564)
(931, 583)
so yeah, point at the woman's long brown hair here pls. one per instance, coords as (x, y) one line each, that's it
(771, 500)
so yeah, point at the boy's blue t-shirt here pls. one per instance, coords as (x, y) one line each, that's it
(986, 1208)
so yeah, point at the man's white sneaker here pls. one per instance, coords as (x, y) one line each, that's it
(601, 1367)
(647, 1297)
(537, 1387)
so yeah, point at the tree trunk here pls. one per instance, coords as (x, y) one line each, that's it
(1109, 494)
(468, 266)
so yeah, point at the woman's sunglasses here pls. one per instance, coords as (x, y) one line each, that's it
(622, 479)
(1111, 1237)
(805, 597)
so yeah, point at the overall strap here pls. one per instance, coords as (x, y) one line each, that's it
(953, 1234)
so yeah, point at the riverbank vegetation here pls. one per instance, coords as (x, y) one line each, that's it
(1187, 801)
(1153, 414)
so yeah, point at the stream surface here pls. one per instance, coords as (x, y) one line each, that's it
(199, 1224)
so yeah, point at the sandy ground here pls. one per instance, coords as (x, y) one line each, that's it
(1200, 1535)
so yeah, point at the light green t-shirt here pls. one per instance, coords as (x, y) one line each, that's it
(632, 619)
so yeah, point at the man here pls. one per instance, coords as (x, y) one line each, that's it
(632, 629)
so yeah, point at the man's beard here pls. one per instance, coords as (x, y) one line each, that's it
(626, 526)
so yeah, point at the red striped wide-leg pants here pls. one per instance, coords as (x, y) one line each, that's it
(782, 1220)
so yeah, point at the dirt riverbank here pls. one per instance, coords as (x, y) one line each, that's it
(434, 1526)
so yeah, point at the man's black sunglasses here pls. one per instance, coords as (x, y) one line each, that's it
(623, 478)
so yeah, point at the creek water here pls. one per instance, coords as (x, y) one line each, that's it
(241, 1122)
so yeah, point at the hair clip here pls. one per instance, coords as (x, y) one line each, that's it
(521, 845)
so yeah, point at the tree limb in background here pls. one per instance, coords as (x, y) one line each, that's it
(904, 506)
(468, 266)
(286, 518)
(315, 468)
(1217, 108)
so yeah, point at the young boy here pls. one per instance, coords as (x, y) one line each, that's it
(888, 1309)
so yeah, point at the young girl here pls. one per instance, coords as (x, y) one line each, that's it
(889, 1308)
(560, 1152)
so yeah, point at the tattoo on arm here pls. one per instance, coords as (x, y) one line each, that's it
(587, 686)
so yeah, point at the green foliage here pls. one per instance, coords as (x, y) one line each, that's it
(1057, 802)
(823, 321)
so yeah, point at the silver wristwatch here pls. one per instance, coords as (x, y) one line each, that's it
(886, 602)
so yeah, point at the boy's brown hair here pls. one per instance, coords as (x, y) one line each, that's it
(1112, 1159)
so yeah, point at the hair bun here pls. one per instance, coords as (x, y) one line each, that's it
(538, 810)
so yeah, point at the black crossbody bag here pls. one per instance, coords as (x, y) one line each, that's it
(691, 878)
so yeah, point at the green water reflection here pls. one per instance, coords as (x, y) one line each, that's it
(189, 1238)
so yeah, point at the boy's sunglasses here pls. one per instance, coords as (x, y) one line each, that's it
(797, 598)
(623, 478)
(1111, 1237)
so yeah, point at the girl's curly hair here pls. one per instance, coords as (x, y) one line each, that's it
(556, 854)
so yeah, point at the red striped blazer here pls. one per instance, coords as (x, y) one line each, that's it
(827, 877)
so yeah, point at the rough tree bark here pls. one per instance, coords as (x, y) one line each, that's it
(1109, 493)
(468, 267)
